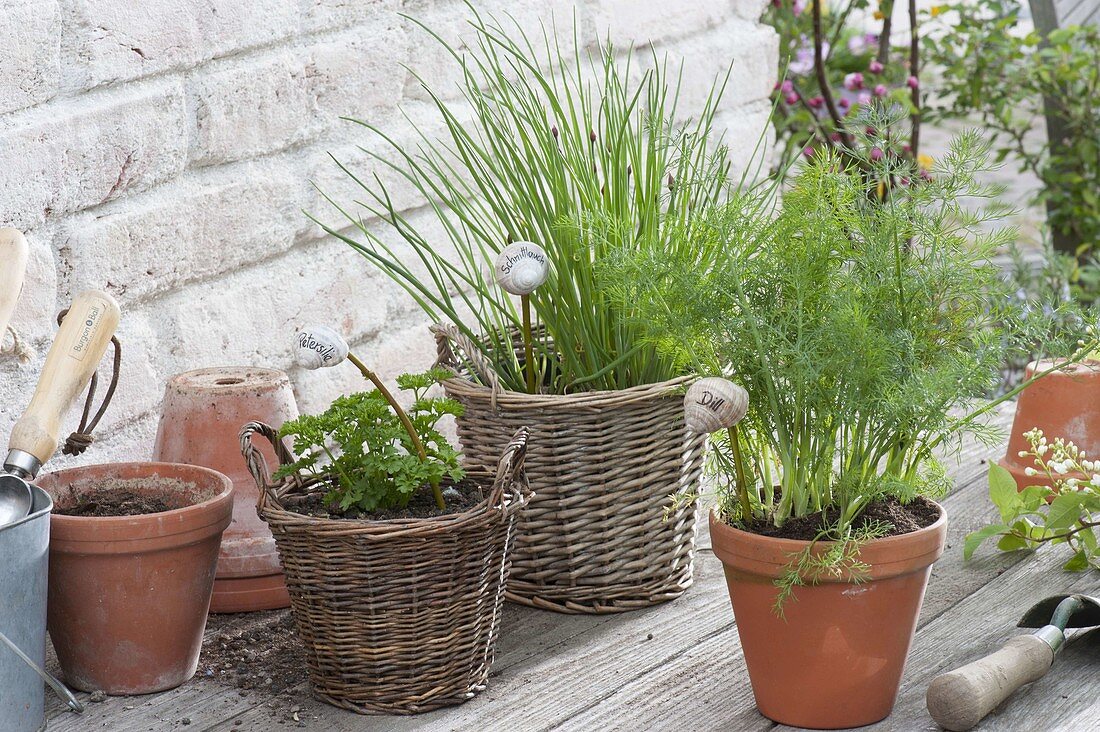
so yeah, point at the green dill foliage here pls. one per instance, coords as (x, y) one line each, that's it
(861, 326)
(555, 140)
(360, 446)
(1062, 506)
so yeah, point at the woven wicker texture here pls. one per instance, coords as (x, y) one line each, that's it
(602, 466)
(397, 616)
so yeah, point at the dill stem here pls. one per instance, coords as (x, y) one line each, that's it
(373, 378)
(742, 484)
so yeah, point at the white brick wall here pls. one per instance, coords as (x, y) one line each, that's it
(164, 151)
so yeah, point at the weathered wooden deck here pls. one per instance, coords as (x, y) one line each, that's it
(679, 666)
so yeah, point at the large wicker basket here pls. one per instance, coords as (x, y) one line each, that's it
(397, 616)
(603, 466)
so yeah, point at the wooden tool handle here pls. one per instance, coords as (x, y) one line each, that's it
(959, 699)
(73, 358)
(13, 265)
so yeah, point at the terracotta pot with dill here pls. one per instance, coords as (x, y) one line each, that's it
(377, 520)
(866, 334)
(568, 152)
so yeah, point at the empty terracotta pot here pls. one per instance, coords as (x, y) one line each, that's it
(1062, 404)
(128, 595)
(203, 413)
(835, 659)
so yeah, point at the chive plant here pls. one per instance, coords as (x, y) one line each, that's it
(573, 146)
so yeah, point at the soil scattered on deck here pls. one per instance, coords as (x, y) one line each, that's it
(266, 656)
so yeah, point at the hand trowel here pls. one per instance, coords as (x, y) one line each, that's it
(76, 351)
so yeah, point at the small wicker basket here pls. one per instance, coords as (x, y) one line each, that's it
(397, 616)
(603, 466)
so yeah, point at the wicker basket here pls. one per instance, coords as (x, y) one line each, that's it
(397, 616)
(603, 466)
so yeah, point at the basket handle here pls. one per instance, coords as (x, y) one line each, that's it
(510, 466)
(448, 336)
(257, 463)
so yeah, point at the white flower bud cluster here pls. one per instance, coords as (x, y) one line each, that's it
(1065, 457)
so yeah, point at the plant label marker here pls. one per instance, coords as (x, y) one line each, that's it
(520, 268)
(712, 404)
(319, 346)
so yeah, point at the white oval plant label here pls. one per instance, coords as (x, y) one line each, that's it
(521, 267)
(320, 347)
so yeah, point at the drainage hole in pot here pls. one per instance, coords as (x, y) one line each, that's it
(229, 381)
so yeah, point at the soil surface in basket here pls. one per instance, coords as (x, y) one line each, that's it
(268, 655)
(904, 519)
(107, 500)
(459, 497)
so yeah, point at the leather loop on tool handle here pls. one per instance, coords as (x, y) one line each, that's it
(81, 439)
(73, 358)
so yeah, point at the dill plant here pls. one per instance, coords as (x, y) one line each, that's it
(560, 140)
(862, 327)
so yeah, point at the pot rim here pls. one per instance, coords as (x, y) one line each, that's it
(1087, 367)
(464, 384)
(770, 556)
(215, 511)
(510, 503)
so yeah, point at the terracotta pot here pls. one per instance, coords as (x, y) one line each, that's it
(1061, 404)
(202, 414)
(128, 595)
(835, 659)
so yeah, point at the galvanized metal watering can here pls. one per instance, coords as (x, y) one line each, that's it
(24, 547)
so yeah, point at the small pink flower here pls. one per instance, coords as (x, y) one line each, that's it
(876, 154)
(835, 137)
(853, 81)
(787, 86)
(863, 98)
(816, 102)
(843, 103)
(875, 67)
(870, 130)
(925, 175)
(906, 148)
(798, 7)
(913, 82)
(904, 180)
(880, 90)
(808, 152)
(791, 99)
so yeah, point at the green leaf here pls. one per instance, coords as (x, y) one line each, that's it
(1012, 543)
(1003, 492)
(1077, 563)
(975, 539)
(1065, 510)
